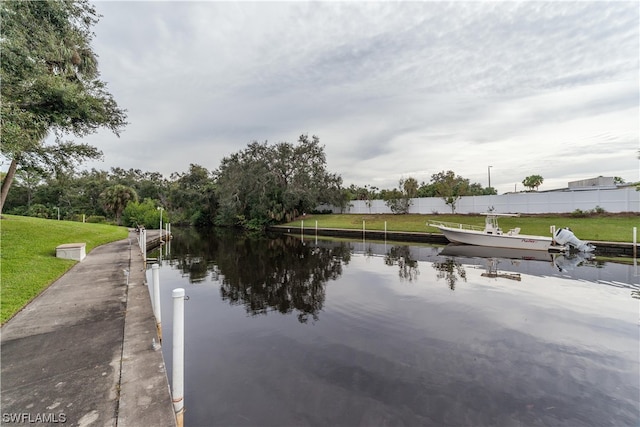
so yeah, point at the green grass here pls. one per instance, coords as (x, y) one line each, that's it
(28, 262)
(611, 228)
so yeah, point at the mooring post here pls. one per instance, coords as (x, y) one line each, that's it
(155, 270)
(178, 355)
(143, 244)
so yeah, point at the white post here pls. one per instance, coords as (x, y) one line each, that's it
(155, 270)
(143, 244)
(363, 232)
(168, 245)
(160, 208)
(178, 354)
(83, 219)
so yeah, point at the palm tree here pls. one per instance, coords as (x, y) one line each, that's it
(115, 199)
(533, 181)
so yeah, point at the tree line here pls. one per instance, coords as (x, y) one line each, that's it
(260, 185)
(253, 188)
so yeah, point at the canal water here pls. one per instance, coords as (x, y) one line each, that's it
(289, 330)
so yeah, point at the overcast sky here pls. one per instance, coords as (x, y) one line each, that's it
(391, 89)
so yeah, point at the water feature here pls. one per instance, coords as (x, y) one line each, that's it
(284, 330)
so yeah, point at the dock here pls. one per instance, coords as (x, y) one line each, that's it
(81, 352)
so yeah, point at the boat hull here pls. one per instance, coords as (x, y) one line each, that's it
(518, 241)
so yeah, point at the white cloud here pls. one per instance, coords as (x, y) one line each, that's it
(392, 89)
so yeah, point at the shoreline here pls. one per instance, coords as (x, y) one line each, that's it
(621, 249)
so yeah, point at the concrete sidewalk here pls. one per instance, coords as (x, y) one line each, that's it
(81, 354)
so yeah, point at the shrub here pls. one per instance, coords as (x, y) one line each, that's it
(96, 219)
(38, 210)
(145, 213)
(321, 212)
(578, 213)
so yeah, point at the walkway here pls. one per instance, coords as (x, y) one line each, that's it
(81, 353)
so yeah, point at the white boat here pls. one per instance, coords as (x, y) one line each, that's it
(493, 236)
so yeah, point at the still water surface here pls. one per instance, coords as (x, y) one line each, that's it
(285, 331)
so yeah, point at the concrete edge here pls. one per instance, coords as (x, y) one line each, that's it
(602, 248)
(145, 396)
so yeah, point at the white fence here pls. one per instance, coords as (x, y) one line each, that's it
(625, 199)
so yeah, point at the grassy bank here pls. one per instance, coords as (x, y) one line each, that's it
(28, 262)
(612, 228)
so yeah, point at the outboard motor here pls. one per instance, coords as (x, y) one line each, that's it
(565, 236)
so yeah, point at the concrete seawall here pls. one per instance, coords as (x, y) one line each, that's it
(602, 248)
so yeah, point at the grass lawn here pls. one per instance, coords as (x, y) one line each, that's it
(611, 228)
(28, 262)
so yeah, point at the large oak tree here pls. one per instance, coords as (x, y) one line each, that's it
(50, 85)
(266, 184)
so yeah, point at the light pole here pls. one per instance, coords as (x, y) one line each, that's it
(489, 174)
(160, 208)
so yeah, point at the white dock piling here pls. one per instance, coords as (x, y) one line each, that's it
(155, 298)
(178, 355)
(143, 244)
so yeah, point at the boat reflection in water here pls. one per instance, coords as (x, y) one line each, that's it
(285, 330)
(563, 262)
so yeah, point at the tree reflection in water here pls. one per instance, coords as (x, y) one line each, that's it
(450, 269)
(407, 266)
(265, 274)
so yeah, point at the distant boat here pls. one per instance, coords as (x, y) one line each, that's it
(493, 236)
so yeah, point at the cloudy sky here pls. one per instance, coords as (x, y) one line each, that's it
(391, 89)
